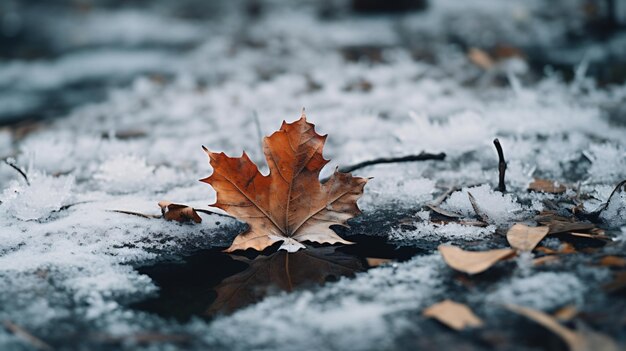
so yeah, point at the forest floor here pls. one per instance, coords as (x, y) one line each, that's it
(106, 108)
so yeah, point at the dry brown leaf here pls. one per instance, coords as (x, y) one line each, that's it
(545, 259)
(178, 212)
(453, 314)
(557, 227)
(525, 238)
(375, 262)
(584, 340)
(443, 212)
(472, 262)
(566, 314)
(290, 204)
(613, 261)
(547, 216)
(546, 250)
(565, 248)
(591, 236)
(479, 212)
(546, 186)
(480, 58)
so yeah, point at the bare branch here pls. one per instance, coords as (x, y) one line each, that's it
(422, 156)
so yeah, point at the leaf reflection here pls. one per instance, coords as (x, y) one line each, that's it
(282, 271)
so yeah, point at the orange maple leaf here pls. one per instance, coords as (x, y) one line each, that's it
(290, 204)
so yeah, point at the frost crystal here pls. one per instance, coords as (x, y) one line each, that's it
(44, 195)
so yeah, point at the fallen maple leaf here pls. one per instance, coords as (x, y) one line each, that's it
(290, 204)
(178, 212)
(453, 314)
(472, 262)
(525, 238)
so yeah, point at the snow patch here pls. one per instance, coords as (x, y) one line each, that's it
(499, 208)
(36, 201)
(543, 291)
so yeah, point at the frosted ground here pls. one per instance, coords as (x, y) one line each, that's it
(130, 96)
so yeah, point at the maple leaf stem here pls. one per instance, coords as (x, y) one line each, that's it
(422, 156)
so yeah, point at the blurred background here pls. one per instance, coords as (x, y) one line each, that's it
(57, 55)
(105, 104)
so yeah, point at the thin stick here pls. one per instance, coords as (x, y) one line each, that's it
(15, 167)
(593, 216)
(26, 336)
(212, 212)
(501, 166)
(135, 214)
(423, 156)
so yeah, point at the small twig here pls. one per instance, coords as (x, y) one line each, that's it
(135, 214)
(15, 167)
(26, 336)
(65, 207)
(139, 214)
(501, 166)
(423, 156)
(213, 213)
(593, 216)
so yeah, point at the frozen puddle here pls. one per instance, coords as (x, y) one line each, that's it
(211, 282)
